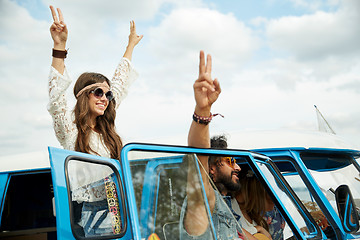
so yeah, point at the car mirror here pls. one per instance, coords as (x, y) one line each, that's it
(347, 209)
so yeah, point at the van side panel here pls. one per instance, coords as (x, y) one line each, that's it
(61, 195)
(3, 186)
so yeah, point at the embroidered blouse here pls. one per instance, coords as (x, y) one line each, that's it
(66, 131)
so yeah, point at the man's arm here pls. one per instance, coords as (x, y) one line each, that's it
(206, 91)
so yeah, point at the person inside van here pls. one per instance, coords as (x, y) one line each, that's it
(257, 210)
(193, 219)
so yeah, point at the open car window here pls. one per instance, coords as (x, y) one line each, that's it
(160, 186)
(160, 177)
(294, 207)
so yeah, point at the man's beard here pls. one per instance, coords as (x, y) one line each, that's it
(227, 182)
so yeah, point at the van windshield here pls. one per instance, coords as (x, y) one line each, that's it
(329, 171)
(337, 170)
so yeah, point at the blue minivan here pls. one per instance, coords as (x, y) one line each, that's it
(316, 190)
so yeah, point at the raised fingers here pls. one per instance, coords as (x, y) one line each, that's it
(132, 26)
(201, 63)
(53, 13)
(208, 64)
(205, 67)
(61, 17)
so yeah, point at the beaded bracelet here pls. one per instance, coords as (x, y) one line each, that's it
(204, 120)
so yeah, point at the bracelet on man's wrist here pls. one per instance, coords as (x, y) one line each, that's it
(204, 120)
(59, 53)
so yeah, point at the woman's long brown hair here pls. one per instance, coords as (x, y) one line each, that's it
(105, 124)
(254, 196)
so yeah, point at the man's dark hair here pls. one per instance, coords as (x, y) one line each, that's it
(217, 142)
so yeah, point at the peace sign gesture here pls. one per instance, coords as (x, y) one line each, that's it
(58, 29)
(206, 90)
(134, 38)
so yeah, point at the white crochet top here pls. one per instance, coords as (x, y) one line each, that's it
(65, 128)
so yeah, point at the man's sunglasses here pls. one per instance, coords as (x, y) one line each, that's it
(99, 93)
(230, 161)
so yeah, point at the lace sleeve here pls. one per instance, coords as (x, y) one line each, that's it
(57, 107)
(124, 76)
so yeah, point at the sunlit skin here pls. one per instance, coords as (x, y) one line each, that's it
(226, 173)
(97, 106)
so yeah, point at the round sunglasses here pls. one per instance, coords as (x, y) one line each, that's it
(230, 161)
(99, 93)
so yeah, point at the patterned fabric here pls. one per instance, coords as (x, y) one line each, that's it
(113, 204)
(276, 224)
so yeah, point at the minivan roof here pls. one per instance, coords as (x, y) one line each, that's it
(25, 161)
(287, 139)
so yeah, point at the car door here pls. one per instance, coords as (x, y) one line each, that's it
(91, 199)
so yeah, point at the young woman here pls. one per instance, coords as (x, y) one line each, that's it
(251, 203)
(90, 128)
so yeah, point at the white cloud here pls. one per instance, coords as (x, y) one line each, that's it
(262, 87)
(176, 41)
(108, 10)
(191, 29)
(319, 35)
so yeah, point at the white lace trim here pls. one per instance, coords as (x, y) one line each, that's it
(63, 119)
(123, 77)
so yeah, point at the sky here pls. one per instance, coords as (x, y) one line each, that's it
(274, 59)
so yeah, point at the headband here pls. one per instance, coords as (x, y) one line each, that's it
(103, 84)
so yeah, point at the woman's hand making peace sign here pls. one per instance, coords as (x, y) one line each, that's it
(58, 30)
(134, 39)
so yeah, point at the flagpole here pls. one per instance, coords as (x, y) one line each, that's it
(318, 111)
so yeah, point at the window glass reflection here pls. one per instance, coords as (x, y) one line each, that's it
(95, 199)
(160, 182)
(300, 219)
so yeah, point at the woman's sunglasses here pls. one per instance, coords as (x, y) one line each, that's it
(99, 93)
(230, 161)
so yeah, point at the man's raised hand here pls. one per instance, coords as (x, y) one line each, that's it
(206, 90)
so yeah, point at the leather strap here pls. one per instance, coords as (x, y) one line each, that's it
(59, 53)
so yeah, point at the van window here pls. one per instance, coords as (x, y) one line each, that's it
(298, 214)
(160, 185)
(28, 208)
(294, 179)
(97, 199)
(332, 171)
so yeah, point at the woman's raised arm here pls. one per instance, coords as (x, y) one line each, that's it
(59, 34)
